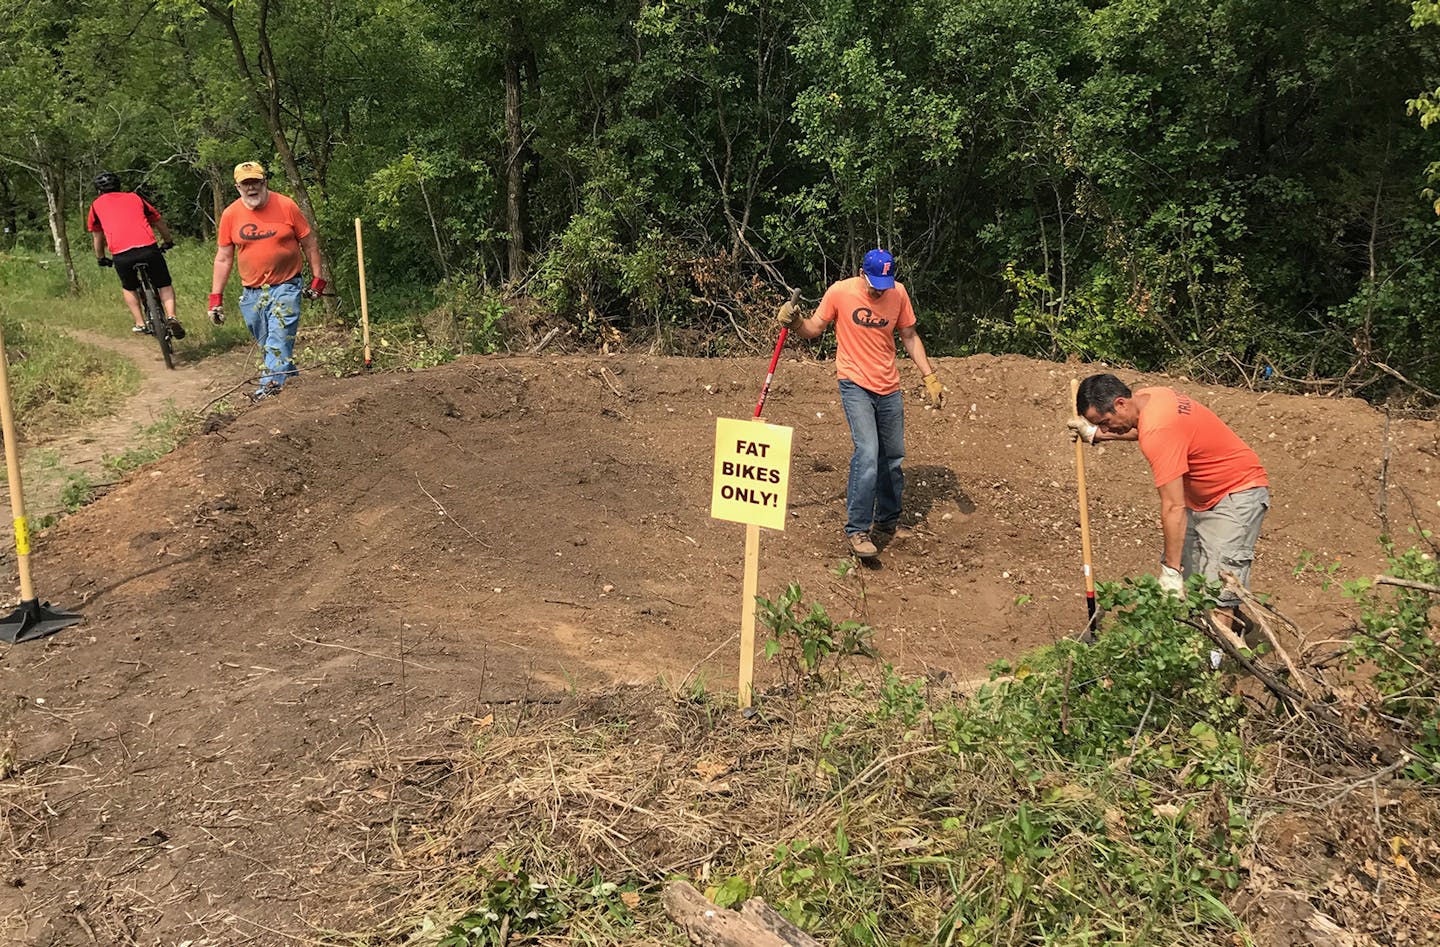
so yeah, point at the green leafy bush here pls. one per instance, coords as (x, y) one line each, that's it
(1395, 641)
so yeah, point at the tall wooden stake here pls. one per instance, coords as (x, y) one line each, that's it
(32, 619)
(364, 299)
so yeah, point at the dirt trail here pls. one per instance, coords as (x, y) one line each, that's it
(194, 382)
(278, 604)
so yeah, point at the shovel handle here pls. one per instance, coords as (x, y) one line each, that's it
(1084, 513)
(775, 358)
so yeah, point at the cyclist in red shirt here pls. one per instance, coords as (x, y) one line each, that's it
(124, 219)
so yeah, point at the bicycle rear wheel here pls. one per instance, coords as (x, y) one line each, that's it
(155, 317)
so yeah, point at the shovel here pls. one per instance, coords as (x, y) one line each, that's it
(775, 359)
(33, 619)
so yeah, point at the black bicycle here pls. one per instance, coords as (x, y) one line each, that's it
(155, 321)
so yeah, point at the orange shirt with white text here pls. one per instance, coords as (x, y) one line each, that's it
(1183, 438)
(865, 332)
(266, 241)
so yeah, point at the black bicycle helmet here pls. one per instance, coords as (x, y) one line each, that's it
(107, 181)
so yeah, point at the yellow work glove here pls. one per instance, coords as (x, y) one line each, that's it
(934, 391)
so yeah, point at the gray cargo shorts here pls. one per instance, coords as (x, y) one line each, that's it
(1223, 538)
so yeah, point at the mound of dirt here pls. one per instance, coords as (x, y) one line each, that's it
(366, 556)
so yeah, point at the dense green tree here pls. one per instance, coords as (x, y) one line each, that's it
(1211, 186)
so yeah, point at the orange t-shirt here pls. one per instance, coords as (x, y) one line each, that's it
(865, 332)
(1183, 438)
(266, 241)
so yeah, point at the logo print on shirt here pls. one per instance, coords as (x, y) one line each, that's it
(864, 316)
(1182, 405)
(252, 232)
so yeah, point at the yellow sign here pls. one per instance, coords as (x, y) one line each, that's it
(752, 472)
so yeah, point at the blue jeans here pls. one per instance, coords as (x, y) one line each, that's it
(877, 428)
(272, 314)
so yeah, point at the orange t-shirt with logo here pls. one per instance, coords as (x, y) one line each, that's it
(266, 241)
(1183, 438)
(865, 332)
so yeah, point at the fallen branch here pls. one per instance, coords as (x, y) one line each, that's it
(1407, 584)
(756, 924)
(549, 337)
(1233, 585)
(1322, 714)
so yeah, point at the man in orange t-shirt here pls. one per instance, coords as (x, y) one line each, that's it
(265, 232)
(1213, 491)
(867, 311)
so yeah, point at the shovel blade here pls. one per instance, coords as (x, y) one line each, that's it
(33, 620)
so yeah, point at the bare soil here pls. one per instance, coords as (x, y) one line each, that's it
(361, 558)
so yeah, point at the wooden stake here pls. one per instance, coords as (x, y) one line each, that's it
(364, 299)
(32, 619)
(12, 471)
(747, 615)
(1084, 518)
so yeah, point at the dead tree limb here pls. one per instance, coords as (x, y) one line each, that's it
(549, 336)
(1233, 585)
(1407, 584)
(756, 924)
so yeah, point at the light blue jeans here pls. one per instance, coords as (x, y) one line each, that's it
(877, 428)
(272, 314)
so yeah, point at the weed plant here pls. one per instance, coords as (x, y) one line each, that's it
(153, 441)
(1395, 642)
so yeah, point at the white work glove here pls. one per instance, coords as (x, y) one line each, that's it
(1081, 429)
(1172, 581)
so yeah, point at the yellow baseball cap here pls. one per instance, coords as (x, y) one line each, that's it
(249, 171)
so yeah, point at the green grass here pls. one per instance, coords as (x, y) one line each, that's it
(153, 441)
(59, 382)
(33, 284)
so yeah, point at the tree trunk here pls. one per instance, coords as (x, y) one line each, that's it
(9, 219)
(514, 165)
(52, 182)
(267, 105)
(216, 176)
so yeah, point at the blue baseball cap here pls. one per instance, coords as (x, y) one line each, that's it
(879, 269)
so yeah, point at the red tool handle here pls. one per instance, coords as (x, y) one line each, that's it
(769, 375)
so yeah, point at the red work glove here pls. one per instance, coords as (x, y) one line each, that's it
(217, 314)
(315, 289)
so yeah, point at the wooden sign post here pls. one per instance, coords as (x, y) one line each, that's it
(751, 486)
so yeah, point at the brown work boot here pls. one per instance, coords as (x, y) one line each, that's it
(888, 532)
(861, 545)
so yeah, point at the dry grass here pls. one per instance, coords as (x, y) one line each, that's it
(870, 829)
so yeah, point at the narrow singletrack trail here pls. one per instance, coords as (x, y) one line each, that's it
(195, 381)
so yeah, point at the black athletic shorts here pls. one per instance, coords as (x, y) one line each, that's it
(154, 261)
